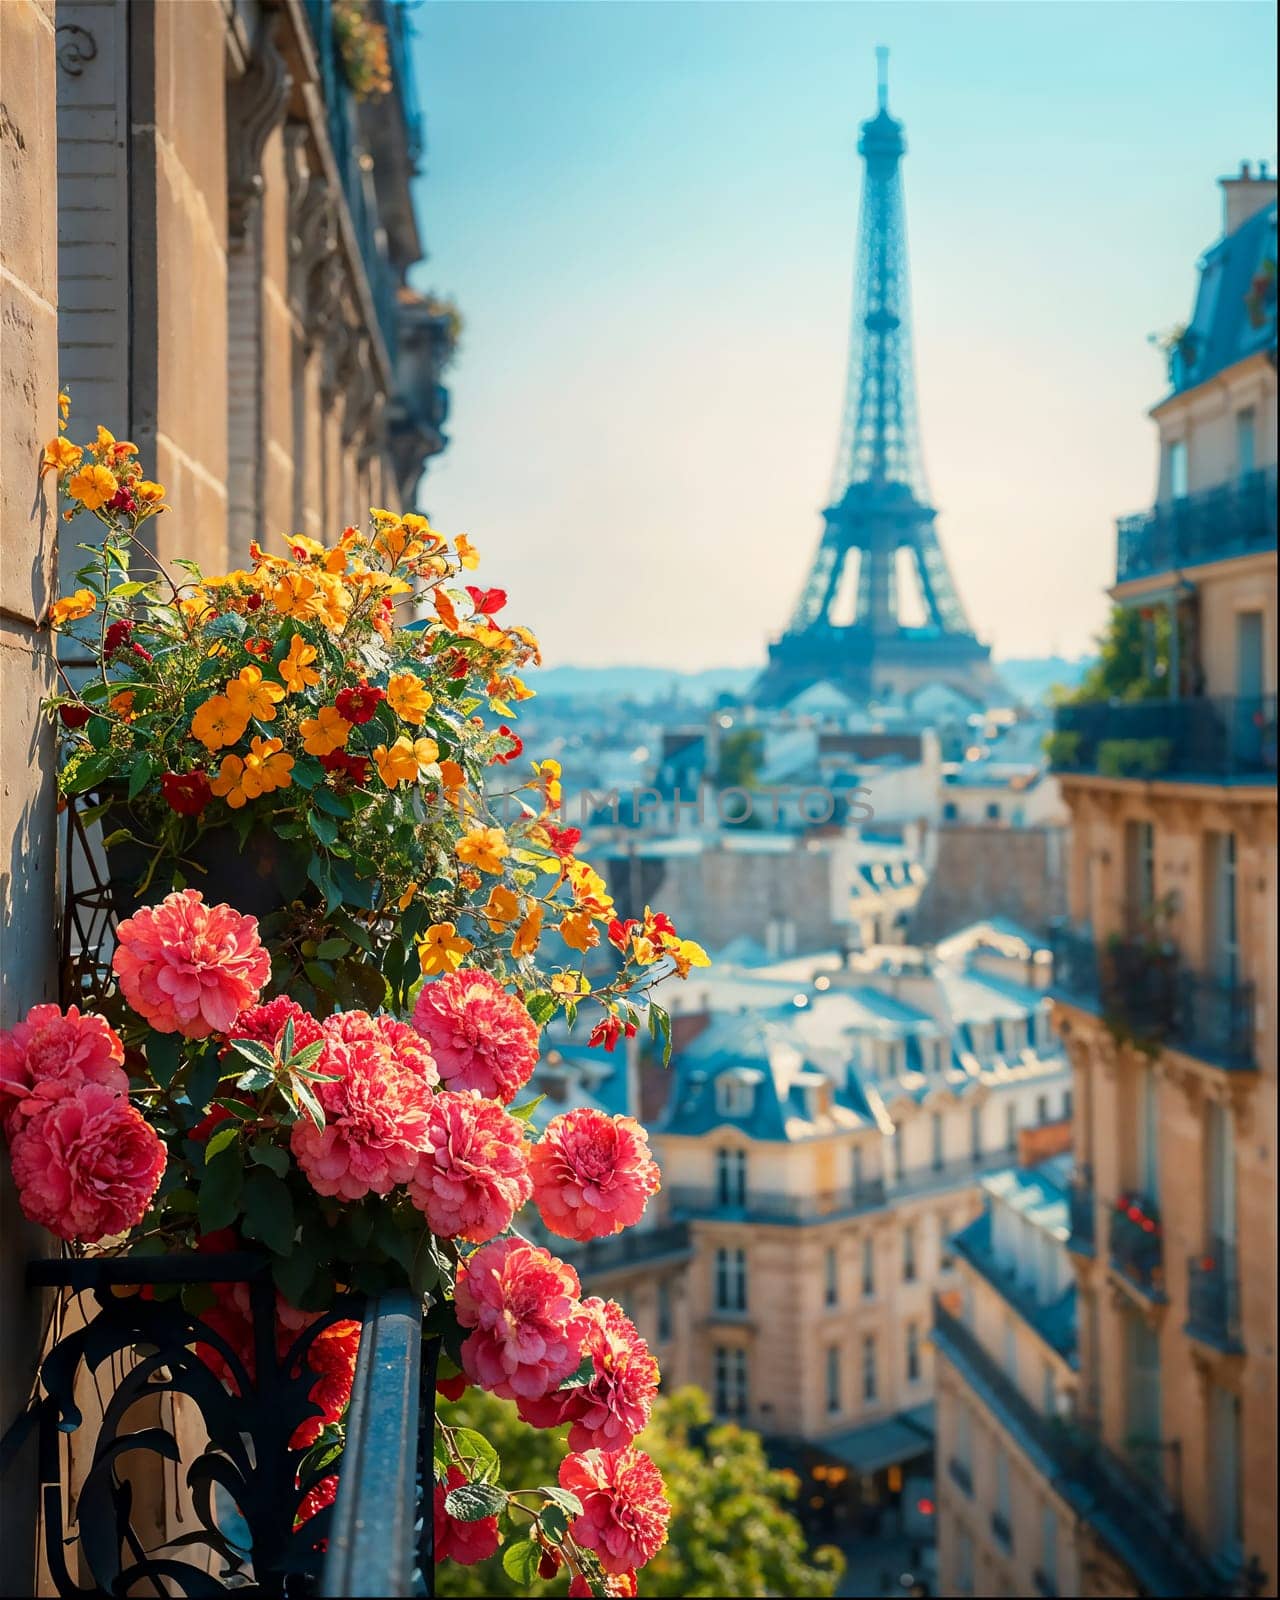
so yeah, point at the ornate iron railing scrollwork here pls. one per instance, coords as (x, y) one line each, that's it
(246, 1482)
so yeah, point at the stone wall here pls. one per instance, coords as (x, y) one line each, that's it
(28, 563)
(986, 871)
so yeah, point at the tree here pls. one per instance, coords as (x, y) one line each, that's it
(731, 1530)
(741, 754)
(1132, 663)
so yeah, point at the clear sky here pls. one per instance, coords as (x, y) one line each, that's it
(646, 212)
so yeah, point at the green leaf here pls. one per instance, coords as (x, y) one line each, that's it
(564, 1498)
(219, 1141)
(99, 731)
(585, 1373)
(555, 1524)
(525, 1112)
(141, 773)
(482, 1461)
(202, 1080)
(331, 949)
(520, 1560)
(126, 591)
(307, 772)
(268, 1211)
(337, 805)
(164, 1056)
(257, 1053)
(301, 1059)
(270, 1156)
(308, 1102)
(428, 1265)
(541, 1007)
(324, 828)
(218, 1197)
(256, 1079)
(472, 1502)
(294, 1273)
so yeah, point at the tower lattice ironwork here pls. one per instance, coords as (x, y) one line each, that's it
(879, 503)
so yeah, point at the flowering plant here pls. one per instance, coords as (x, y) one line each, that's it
(338, 1082)
(362, 49)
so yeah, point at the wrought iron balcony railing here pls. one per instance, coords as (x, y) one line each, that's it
(1149, 992)
(1044, 1583)
(257, 1515)
(635, 1247)
(1208, 738)
(1213, 1297)
(1233, 519)
(1136, 1244)
(1082, 1210)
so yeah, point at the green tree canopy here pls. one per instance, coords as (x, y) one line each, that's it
(741, 753)
(731, 1532)
(1132, 649)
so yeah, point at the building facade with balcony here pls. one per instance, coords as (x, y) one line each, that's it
(204, 235)
(1166, 978)
(823, 1140)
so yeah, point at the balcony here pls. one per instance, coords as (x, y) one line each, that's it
(1234, 519)
(1136, 1244)
(1001, 1529)
(1081, 1211)
(635, 1247)
(1213, 1298)
(1044, 1583)
(1207, 739)
(1148, 993)
(960, 1475)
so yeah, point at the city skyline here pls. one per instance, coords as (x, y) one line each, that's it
(605, 397)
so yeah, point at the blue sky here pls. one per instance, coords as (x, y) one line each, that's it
(646, 212)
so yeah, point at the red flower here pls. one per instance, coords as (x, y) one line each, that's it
(258, 647)
(116, 636)
(359, 703)
(487, 601)
(253, 601)
(122, 500)
(517, 745)
(464, 1542)
(620, 932)
(625, 1510)
(143, 655)
(356, 768)
(187, 793)
(609, 1030)
(563, 841)
(607, 1412)
(74, 716)
(592, 1174)
(452, 1388)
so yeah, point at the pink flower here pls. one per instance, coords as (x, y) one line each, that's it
(472, 1177)
(529, 1327)
(190, 968)
(376, 1113)
(625, 1510)
(87, 1164)
(265, 1024)
(592, 1174)
(614, 1406)
(50, 1047)
(464, 1542)
(482, 1037)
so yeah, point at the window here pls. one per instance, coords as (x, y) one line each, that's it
(831, 1286)
(1140, 871)
(1227, 1477)
(734, 1097)
(1049, 1392)
(858, 1174)
(1223, 932)
(1002, 1522)
(833, 1378)
(913, 1353)
(731, 1280)
(1250, 668)
(935, 1128)
(1066, 1104)
(1149, 1134)
(1049, 1547)
(909, 1253)
(1010, 1350)
(993, 811)
(895, 1139)
(964, 1436)
(664, 1311)
(1178, 470)
(1042, 1108)
(868, 1267)
(869, 1385)
(1220, 1160)
(975, 1131)
(731, 1382)
(1142, 1397)
(1011, 1125)
(964, 1561)
(950, 811)
(731, 1177)
(1246, 433)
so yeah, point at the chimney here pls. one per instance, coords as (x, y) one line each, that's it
(1245, 194)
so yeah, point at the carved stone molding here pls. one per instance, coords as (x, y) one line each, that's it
(316, 274)
(256, 104)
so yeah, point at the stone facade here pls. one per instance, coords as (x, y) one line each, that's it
(193, 243)
(993, 870)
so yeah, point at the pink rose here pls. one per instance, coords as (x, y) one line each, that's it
(482, 1037)
(625, 1510)
(190, 968)
(609, 1411)
(265, 1024)
(592, 1174)
(87, 1164)
(472, 1177)
(464, 1542)
(51, 1047)
(529, 1327)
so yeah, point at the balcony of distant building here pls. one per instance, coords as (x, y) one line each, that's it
(1213, 1297)
(1199, 739)
(1231, 519)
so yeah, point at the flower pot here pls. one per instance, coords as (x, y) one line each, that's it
(257, 877)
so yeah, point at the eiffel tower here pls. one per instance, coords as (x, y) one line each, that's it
(879, 495)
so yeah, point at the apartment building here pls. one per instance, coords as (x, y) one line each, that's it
(1166, 981)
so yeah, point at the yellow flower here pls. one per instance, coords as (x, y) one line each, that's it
(484, 848)
(469, 880)
(302, 546)
(468, 555)
(269, 764)
(408, 696)
(104, 442)
(403, 761)
(685, 953)
(452, 776)
(325, 732)
(296, 668)
(255, 695)
(578, 931)
(70, 609)
(547, 776)
(589, 889)
(570, 984)
(528, 933)
(64, 408)
(406, 899)
(234, 784)
(92, 486)
(60, 455)
(148, 492)
(503, 907)
(442, 949)
(293, 594)
(217, 722)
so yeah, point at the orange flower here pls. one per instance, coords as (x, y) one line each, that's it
(296, 669)
(324, 733)
(269, 764)
(503, 907)
(484, 848)
(578, 931)
(148, 492)
(121, 705)
(403, 761)
(528, 933)
(468, 555)
(570, 984)
(408, 696)
(255, 695)
(217, 722)
(442, 949)
(469, 880)
(445, 610)
(92, 486)
(406, 899)
(70, 609)
(452, 776)
(547, 779)
(60, 455)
